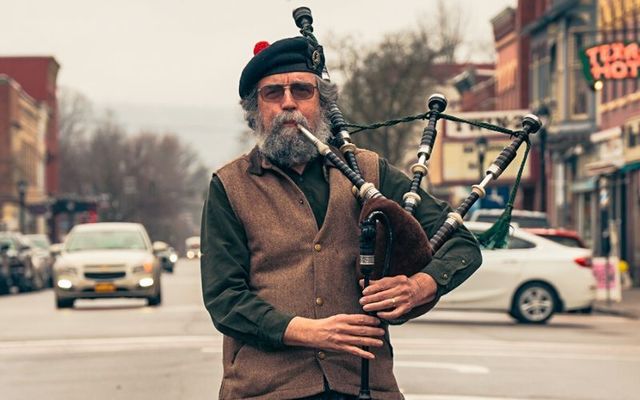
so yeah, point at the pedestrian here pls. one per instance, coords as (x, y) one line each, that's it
(280, 242)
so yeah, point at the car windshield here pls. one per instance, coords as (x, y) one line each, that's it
(565, 241)
(523, 222)
(105, 240)
(39, 242)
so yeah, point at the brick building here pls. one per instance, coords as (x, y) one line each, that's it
(23, 128)
(38, 77)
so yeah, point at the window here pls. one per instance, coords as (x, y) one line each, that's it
(517, 243)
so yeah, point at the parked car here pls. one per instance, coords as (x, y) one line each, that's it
(167, 256)
(193, 247)
(18, 267)
(105, 260)
(42, 257)
(521, 218)
(564, 237)
(531, 279)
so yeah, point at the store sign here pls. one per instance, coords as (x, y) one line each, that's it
(611, 61)
(609, 148)
(510, 119)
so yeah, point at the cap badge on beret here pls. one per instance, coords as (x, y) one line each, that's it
(316, 58)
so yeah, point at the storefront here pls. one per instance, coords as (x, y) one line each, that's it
(615, 174)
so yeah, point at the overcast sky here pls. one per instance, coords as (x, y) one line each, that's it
(190, 53)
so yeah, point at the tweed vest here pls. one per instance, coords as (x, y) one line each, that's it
(300, 270)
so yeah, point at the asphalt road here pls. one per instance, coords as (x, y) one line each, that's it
(121, 349)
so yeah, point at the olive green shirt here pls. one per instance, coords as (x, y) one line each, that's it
(238, 312)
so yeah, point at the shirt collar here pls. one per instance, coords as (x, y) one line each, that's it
(258, 162)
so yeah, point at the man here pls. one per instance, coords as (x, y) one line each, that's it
(280, 242)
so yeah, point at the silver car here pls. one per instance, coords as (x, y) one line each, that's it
(105, 260)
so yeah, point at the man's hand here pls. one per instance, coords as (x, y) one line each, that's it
(394, 296)
(343, 332)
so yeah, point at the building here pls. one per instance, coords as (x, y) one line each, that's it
(559, 93)
(38, 77)
(23, 129)
(611, 196)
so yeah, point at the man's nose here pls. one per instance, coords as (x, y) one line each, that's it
(288, 102)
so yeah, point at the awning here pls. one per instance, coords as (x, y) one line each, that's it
(630, 167)
(584, 185)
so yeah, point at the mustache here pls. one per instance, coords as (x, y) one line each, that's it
(289, 116)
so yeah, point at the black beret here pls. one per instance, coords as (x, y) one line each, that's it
(295, 54)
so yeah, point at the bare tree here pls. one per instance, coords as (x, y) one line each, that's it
(151, 178)
(76, 114)
(394, 78)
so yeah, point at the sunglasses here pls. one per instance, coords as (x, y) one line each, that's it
(298, 90)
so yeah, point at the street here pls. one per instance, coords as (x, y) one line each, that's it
(121, 349)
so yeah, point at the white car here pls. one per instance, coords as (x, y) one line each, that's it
(531, 279)
(107, 259)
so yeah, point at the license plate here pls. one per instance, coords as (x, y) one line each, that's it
(105, 287)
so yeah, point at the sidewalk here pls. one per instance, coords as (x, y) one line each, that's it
(629, 306)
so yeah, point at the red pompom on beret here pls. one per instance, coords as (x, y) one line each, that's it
(261, 45)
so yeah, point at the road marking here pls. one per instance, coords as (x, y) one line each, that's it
(406, 349)
(106, 345)
(461, 368)
(458, 397)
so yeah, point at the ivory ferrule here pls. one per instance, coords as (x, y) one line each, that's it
(368, 191)
(479, 190)
(419, 167)
(494, 170)
(412, 198)
(454, 219)
(424, 151)
(348, 147)
(344, 135)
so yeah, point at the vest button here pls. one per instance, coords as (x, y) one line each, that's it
(317, 247)
(319, 301)
(321, 355)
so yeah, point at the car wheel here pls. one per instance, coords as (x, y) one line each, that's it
(534, 303)
(64, 303)
(5, 288)
(155, 300)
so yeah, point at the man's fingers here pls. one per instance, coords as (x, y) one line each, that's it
(394, 314)
(358, 319)
(357, 351)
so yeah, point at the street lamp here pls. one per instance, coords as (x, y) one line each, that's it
(481, 145)
(545, 117)
(22, 190)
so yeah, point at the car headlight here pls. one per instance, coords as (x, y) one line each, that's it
(173, 258)
(146, 267)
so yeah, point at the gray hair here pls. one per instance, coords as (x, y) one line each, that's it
(328, 95)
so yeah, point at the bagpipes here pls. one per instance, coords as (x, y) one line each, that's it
(405, 245)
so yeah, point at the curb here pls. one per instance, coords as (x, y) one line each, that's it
(619, 313)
